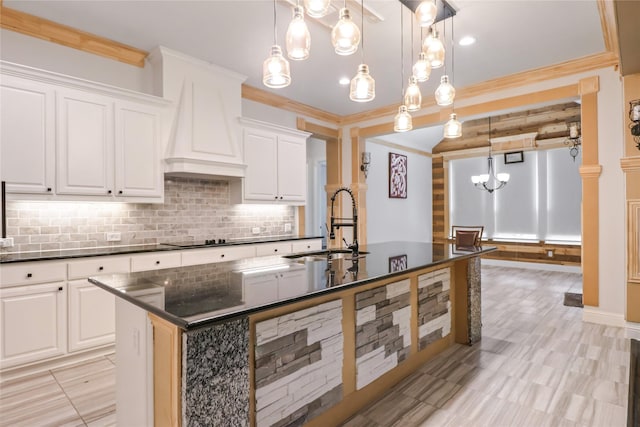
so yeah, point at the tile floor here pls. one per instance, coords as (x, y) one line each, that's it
(537, 365)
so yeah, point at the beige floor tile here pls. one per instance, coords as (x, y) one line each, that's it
(108, 420)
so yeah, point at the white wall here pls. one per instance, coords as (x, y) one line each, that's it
(407, 219)
(316, 207)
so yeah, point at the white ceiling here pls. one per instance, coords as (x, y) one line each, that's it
(513, 36)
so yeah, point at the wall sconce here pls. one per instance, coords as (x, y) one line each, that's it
(365, 163)
(574, 139)
(634, 115)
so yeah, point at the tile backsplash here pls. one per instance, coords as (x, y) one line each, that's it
(194, 209)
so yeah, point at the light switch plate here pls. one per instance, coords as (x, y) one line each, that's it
(255, 230)
(6, 242)
(114, 237)
(287, 227)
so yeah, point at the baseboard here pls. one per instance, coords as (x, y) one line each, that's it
(593, 315)
(59, 362)
(532, 265)
(633, 330)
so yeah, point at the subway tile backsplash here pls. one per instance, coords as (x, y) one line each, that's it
(194, 209)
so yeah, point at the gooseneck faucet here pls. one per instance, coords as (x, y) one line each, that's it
(337, 222)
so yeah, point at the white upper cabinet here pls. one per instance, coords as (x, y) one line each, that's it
(138, 167)
(27, 136)
(71, 139)
(205, 137)
(85, 143)
(276, 159)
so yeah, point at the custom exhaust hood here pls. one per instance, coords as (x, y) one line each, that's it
(204, 129)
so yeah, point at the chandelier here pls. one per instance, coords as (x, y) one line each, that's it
(490, 181)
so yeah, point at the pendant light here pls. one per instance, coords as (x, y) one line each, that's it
(298, 39)
(275, 69)
(402, 122)
(317, 8)
(412, 96)
(422, 68)
(445, 93)
(363, 87)
(345, 36)
(426, 13)
(453, 128)
(435, 50)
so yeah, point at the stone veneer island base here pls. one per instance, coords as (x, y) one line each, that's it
(314, 360)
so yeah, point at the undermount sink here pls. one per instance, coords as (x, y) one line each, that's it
(322, 255)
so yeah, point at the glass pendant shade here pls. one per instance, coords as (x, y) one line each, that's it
(317, 8)
(363, 87)
(422, 68)
(345, 36)
(298, 37)
(412, 96)
(426, 13)
(453, 128)
(275, 69)
(435, 52)
(445, 93)
(402, 122)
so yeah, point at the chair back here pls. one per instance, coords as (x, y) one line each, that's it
(467, 235)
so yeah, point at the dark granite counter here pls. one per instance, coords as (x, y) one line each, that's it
(10, 257)
(201, 295)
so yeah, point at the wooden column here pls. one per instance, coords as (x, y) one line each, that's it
(358, 183)
(590, 172)
(630, 164)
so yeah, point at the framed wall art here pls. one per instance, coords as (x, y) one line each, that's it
(397, 176)
(514, 157)
(397, 263)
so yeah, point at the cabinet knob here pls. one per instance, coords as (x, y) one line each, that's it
(120, 192)
(100, 268)
(109, 192)
(280, 197)
(222, 256)
(275, 250)
(276, 197)
(60, 288)
(29, 275)
(157, 262)
(48, 189)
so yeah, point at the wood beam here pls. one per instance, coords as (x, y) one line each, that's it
(44, 29)
(606, 9)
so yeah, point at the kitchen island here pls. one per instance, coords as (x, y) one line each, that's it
(287, 340)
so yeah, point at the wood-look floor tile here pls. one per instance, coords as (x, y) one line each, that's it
(93, 395)
(76, 371)
(108, 420)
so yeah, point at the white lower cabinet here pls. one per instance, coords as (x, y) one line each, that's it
(33, 322)
(92, 318)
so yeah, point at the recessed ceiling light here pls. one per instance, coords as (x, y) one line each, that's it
(467, 40)
(344, 81)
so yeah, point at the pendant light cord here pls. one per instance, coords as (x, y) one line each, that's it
(444, 37)
(362, 25)
(453, 42)
(275, 23)
(411, 40)
(401, 53)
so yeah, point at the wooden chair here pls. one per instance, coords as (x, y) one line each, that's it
(468, 235)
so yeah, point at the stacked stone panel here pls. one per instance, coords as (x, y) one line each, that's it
(383, 330)
(434, 307)
(298, 365)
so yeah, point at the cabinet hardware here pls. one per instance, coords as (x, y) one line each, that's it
(275, 250)
(222, 256)
(60, 288)
(280, 197)
(120, 192)
(100, 268)
(48, 189)
(276, 197)
(29, 275)
(157, 262)
(109, 192)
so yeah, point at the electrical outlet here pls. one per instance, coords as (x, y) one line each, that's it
(255, 230)
(287, 228)
(550, 253)
(6, 242)
(113, 237)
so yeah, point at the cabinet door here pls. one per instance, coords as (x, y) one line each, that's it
(261, 289)
(137, 151)
(260, 156)
(27, 136)
(32, 323)
(85, 143)
(292, 169)
(92, 316)
(292, 283)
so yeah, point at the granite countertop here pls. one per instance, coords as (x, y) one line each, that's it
(10, 257)
(196, 296)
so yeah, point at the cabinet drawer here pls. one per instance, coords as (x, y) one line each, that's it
(306, 245)
(155, 261)
(98, 265)
(32, 272)
(280, 248)
(206, 256)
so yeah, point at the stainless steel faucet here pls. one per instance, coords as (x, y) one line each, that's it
(337, 222)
